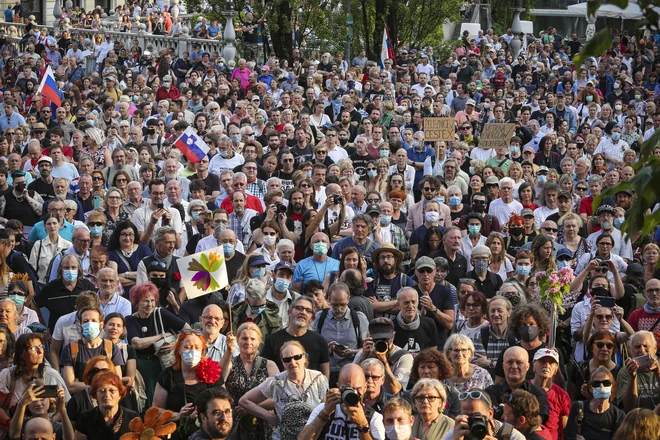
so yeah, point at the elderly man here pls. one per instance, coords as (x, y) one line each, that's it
(171, 172)
(226, 159)
(413, 332)
(164, 239)
(174, 191)
(375, 395)
(39, 232)
(516, 365)
(647, 317)
(638, 383)
(317, 266)
(23, 204)
(119, 164)
(134, 199)
(503, 207)
(239, 183)
(110, 301)
(80, 238)
(546, 365)
(84, 194)
(279, 293)
(212, 319)
(301, 315)
(149, 219)
(67, 127)
(239, 219)
(363, 225)
(622, 246)
(342, 327)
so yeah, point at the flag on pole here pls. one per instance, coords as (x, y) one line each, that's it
(192, 146)
(386, 52)
(48, 87)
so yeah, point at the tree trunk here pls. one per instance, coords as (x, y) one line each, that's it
(381, 13)
(367, 36)
(281, 36)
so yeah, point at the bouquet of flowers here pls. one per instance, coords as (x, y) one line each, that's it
(555, 286)
(208, 371)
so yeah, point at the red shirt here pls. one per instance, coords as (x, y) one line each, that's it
(640, 320)
(251, 202)
(586, 206)
(163, 93)
(560, 406)
(66, 150)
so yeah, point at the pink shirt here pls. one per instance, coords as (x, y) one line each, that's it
(243, 76)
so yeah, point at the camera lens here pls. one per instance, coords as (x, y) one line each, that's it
(381, 346)
(350, 397)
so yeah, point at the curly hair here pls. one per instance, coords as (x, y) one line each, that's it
(432, 355)
(526, 311)
(639, 424)
(91, 364)
(524, 403)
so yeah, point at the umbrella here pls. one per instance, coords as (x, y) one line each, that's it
(632, 12)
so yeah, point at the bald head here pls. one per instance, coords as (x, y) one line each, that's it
(38, 428)
(516, 364)
(212, 320)
(353, 375)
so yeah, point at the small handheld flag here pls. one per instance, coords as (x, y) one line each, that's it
(192, 146)
(48, 87)
(386, 52)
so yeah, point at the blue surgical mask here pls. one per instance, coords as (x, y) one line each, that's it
(542, 179)
(472, 171)
(440, 199)
(191, 357)
(96, 230)
(259, 272)
(616, 135)
(235, 138)
(257, 310)
(195, 215)
(561, 264)
(282, 284)
(135, 98)
(308, 174)
(228, 249)
(454, 201)
(19, 300)
(384, 153)
(91, 330)
(618, 222)
(432, 216)
(70, 275)
(602, 393)
(474, 229)
(385, 219)
(372, 173)
(523, 271)
(223, 153)
(320, 249)
(514, 151)
(90, 122)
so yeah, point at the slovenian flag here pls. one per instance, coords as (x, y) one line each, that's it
(192, 146)
(48, 88)
(386, 52)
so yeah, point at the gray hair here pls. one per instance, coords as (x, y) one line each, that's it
(458, 339)
(230, 172)
(373, 362)
(255, 289)
(58, 179)
(109, 270)
(70, 204)
(196, 204)
(162, 231)
(646, 334)
(481, 250)
(433, 384)
(365, 218)
(284, 242)
(273, 179)
(406, 290)
(595, 178)
(238, 176)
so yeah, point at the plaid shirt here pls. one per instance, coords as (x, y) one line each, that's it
(399, 239)
(495, 345)
(241, 226)
(257, 188)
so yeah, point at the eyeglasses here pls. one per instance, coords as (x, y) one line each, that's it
(472, 305)
(17, 292)
(374, 378)
(579, 188)
(422, 399)
(599, 383)
(127, 235)
(429, 189)
(225, 414)
(297, 357)
(301, 309)
(95, 224)
(189, 331)
(83, 241)
(605, 243)
(120, 180)
(98, 178)
(609, 345)
(36, 348)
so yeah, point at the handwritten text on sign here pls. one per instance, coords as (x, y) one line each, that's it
(496, 135)
(439, 129)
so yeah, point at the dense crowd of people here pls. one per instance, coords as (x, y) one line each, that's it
(382, 285)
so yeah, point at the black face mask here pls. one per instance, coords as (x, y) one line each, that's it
(151, 130)
(343, 141)
(20, 187)
(600, 291)
(479, 206)
(516, 231)
(159, 282)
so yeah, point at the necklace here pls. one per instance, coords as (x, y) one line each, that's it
(127, 254)
(317, 270)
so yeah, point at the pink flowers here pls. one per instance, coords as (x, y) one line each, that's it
(554, 285)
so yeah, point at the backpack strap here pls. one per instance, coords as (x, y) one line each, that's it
(74, 347)
(367, 246)
(319, 326)
(107, 345)
(485, 336)
(356, 324)
(505, 431)
(396, 356)
(580, 416)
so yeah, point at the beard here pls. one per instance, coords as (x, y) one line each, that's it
(218, 431)
(60, 197)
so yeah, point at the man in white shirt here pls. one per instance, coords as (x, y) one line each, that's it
(505, 207)
(60, 167)
(150, 218)
(549, 204)
(425, 67)
(174, 191)
(226, 159)
(280, 293)
(622, 247)
(422, 85)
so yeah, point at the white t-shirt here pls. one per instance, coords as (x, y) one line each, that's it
(219, 164)
(338, 425)
(504, 211)
(338, 153)
(541, 213)
(66, 170)
(142, 217)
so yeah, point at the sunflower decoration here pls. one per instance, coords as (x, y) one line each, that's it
(204, 268)
(153, 428)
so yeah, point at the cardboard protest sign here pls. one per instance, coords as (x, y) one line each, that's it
(496, 135)
(439, 129)
(204, 272)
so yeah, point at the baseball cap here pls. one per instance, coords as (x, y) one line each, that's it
(625, 191)
(565, 194)
(257, 261)
(635, 270)
(564, 253)
(526, 149)
(425, 262)
(381, 328)
(546, 353)
(470, 102)
(283, 265)
(527, 213)
(45, 159)
(542, 169)
(493, 180)
(372, 208)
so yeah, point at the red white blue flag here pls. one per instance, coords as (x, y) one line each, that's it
(192, 146)
(48, 88)
(386, 52)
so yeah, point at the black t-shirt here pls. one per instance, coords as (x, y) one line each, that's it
(286, 178)
(414, 341)
(257, 220)
(386, 290)
(45, 190)
(315, 345)
(135, 324)
(360, 164)
(178, 393)
(443, 301)
(262, 174)
(302, 155)
(211, 183)
(513, 246)
(499, 368)
(251, 36)
(594, 426)
(92, 424)
(59, 300)
(457, 267)
(234, 265)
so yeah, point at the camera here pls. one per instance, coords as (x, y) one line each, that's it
(281, 209)
(349, 396)
(380, 345)
(478, 424)
(337, 199)
(160, 205)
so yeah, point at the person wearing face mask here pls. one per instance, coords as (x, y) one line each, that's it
(622, 247)
(614, 147)
(280, 293)
(596, 418)
(487, 282)
(178, 386)
(74, 357)
(398, 419)
(253, 267)
(167, 90)
(157, 274)
(256, 308)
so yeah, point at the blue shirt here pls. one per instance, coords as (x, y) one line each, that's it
(309, 269)
(345, 242)
(38, 231)
(213, 31)
(420, 156)
(13, 121)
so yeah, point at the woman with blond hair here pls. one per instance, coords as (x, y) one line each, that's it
(499, 264)
(429, 397)
(639, 424)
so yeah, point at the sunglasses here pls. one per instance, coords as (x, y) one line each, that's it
(95, 224)
(158, 265)
(599, 383)
(580, 189)
(189, 331)
(297, 357)
(474, 395)
(609, 345)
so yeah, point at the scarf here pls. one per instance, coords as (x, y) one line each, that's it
(410, 327)
(166, 259)
(651, 310)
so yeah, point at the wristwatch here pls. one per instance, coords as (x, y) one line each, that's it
(363, 429)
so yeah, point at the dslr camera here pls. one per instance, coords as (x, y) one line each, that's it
(380, 345)
(349, 396)
(478, 424)
(337, 199)
(281, 209)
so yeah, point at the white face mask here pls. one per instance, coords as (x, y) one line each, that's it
(398, 432)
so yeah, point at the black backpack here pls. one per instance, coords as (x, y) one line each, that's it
(354, 319)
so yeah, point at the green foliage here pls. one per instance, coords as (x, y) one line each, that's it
(502, 13)
(420, 21)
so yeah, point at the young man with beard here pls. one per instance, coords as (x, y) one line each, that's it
(215, 415)
(119, 164)
(44, 184)
(387, 280)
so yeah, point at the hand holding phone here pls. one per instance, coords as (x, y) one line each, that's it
(49, 391)
(643, 361)
(606, 301)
